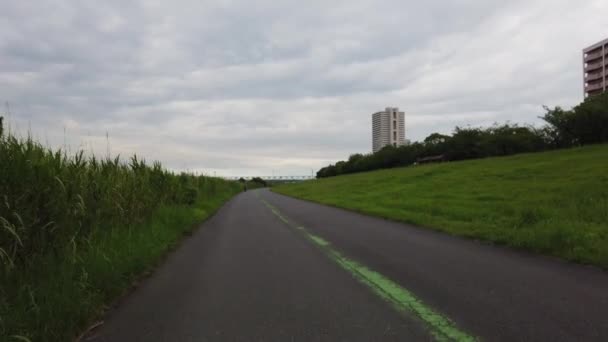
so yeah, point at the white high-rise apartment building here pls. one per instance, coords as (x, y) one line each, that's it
(595, 68)
(388, 128)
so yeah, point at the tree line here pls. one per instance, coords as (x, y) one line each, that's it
(586, 123)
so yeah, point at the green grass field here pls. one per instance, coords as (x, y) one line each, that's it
(554, 203)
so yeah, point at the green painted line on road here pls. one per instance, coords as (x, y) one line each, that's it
(442, 328)
(278, 214)
(317, 240)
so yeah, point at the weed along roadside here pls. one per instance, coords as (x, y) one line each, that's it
(76, 232)
(553, 203)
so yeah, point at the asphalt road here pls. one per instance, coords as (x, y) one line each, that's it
(268, 267)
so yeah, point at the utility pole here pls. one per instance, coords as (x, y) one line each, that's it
(107, 145)
(8, 116)
(1, 124)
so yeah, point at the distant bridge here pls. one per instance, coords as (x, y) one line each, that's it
(274, 178)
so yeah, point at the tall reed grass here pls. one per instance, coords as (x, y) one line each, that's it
(69, 224)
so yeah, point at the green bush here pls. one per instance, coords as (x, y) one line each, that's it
(190, 196)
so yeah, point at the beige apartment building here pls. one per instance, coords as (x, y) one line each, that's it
(388, 128)
(595, 60)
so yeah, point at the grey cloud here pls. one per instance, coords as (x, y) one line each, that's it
(235, 86)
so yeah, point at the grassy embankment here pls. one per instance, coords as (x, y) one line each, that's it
(554, 203)
(76, 232)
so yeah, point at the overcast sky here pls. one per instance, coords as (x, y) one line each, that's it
(248, 87)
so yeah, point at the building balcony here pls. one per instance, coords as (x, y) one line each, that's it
(594, 86)
(594, 55)
(594, 92)
(593, 76)
(594, 66)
